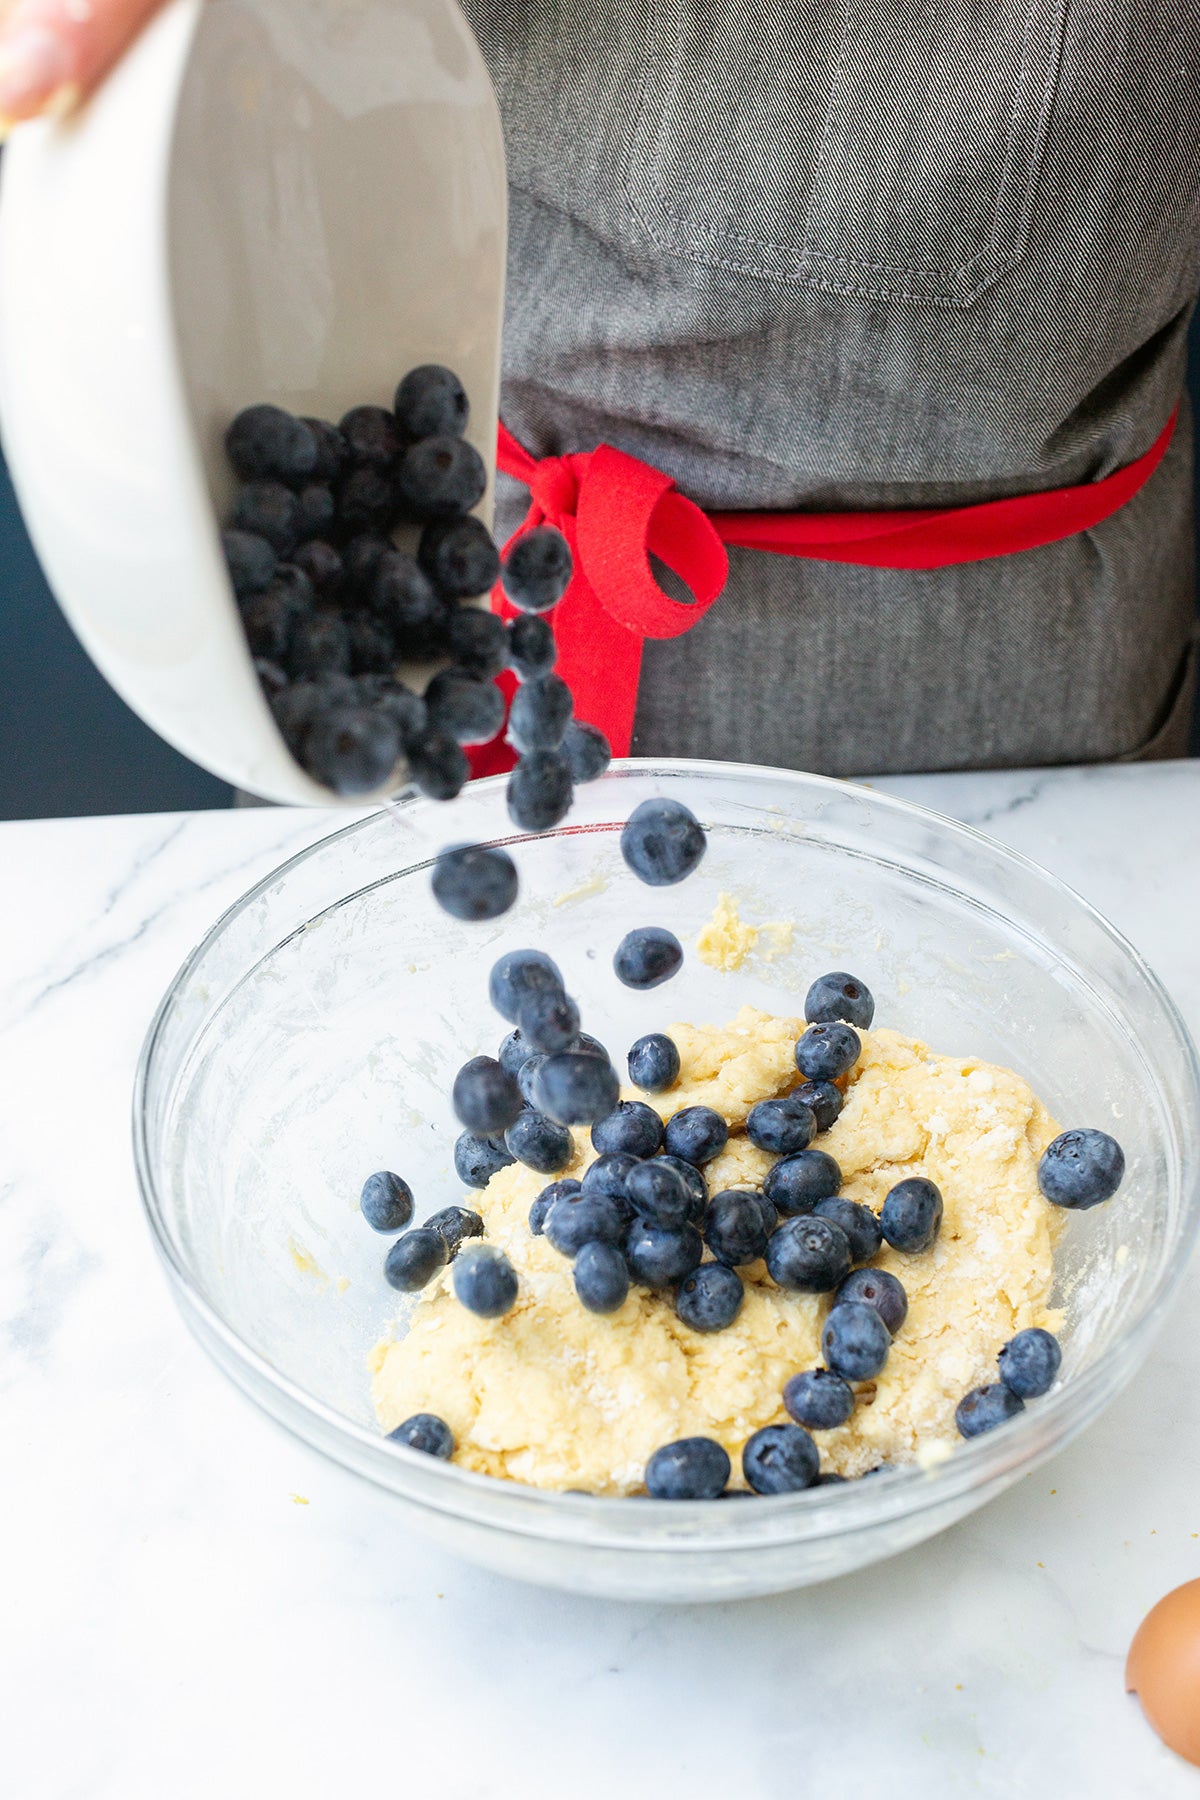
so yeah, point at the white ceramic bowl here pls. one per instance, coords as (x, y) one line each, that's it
(314, 1034)
(284, 200)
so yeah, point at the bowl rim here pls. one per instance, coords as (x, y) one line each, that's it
(600, 1521)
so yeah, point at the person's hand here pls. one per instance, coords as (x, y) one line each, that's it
(54, 52)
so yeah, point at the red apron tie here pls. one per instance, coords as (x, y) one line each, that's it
(616, 512)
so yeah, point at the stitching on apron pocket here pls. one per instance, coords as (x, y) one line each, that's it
(835, 148)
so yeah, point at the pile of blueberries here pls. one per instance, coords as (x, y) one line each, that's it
(331, 607)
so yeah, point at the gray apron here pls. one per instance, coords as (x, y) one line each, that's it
(840, 254)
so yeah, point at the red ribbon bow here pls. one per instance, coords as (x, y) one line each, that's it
(616, 512)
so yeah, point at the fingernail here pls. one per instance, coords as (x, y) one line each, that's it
(63, 101)
(34, 67)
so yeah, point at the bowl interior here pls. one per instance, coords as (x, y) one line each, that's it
(314, 1036)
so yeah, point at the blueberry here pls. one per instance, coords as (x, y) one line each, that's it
(485, 1098)
(710, 1298)
(632, 1126)
(370, 436)
(514, 1053)
(271, 678)
(550, 1021)
(827, 1051)
(250, 560)
(323, 566)
(440, 478)
(808, 1255)
(609, 1174)
(859, 1223)
(438, 766)
(781, 1126)
(414, 1260)
(734, 1228)
(403, 594)
(474, 881)
(647, 956)
(316, 511)
(453, 1224)
(840, 996)
(601, 1277)
(425, 1432)
(1081, 1169)
(485, 1281)
(266, 443)
(361, 557)
(531, 648)
(984, 1408)
(295, 709)
(477, 1160)
(587, 1045)
(825, 1100)
(588, 751)
(517, 974)
(577, 1219)
(332, 449)
(658, 1257)
(695, 1184)
(911, 1216)
(351, 750)
(386, 1201)
(540, 713)
(539, 790)
(320, 646)
(372, 646)
(267, 509)
(653, 1063)
(576, 1088)
(877, 1288)
(540, 1143)
(819, 1399)
(461, 559)
(1029, 1363)
(693, 1468)
(270, 620)
(557, 1190)
(662, 842)
(658, 1193)
(464, 708)
(855, 1341)
(405, 709)
(431, 402)
(537, 570)
(780, 1459)
(696, 1134)
(477, 642)
(527, 1075)
(366, 501)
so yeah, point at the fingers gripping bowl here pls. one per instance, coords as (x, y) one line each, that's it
(315, 1033)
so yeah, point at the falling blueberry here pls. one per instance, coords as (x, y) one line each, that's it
(588, 751)
(438, 766)
(695, 1468)
(1081, 1169)
(539, 790)
(474, 881)
(485, 1099)
(1030, 1362)
(540, 713)
(533, 652)
(549, 1020)
(477, 1159)
(911, 1216)
(425, 1432)
(818, 1399)
(855, 1341)
(653, 1063)
(517, 974)
(808, 1255)
(840, 996)
(601, 1277)
(780, 1459)
(662, 842)
(540, 1143)
(575, 1088)
(557, 1190)
(386, 1201)
(485, 1281)
(414, 1260)
(795, 1185)
(711, 1298)
(537, 570)
(984, 1408)
(466, 709)
(632, 1127)
(647, 956)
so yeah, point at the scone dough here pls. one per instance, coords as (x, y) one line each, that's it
(558, 1397)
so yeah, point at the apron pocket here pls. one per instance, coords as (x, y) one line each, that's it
(888, 149)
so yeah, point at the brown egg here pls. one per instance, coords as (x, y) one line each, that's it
(1164, 1669)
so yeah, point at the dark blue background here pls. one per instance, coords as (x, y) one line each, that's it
(68, 745)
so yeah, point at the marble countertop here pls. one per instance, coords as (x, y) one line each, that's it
(195, 1605)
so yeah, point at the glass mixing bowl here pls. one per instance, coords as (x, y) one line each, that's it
(314, 1034)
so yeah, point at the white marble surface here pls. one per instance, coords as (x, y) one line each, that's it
(194, 1605)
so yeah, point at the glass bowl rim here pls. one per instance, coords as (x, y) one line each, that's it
(897, 1493)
